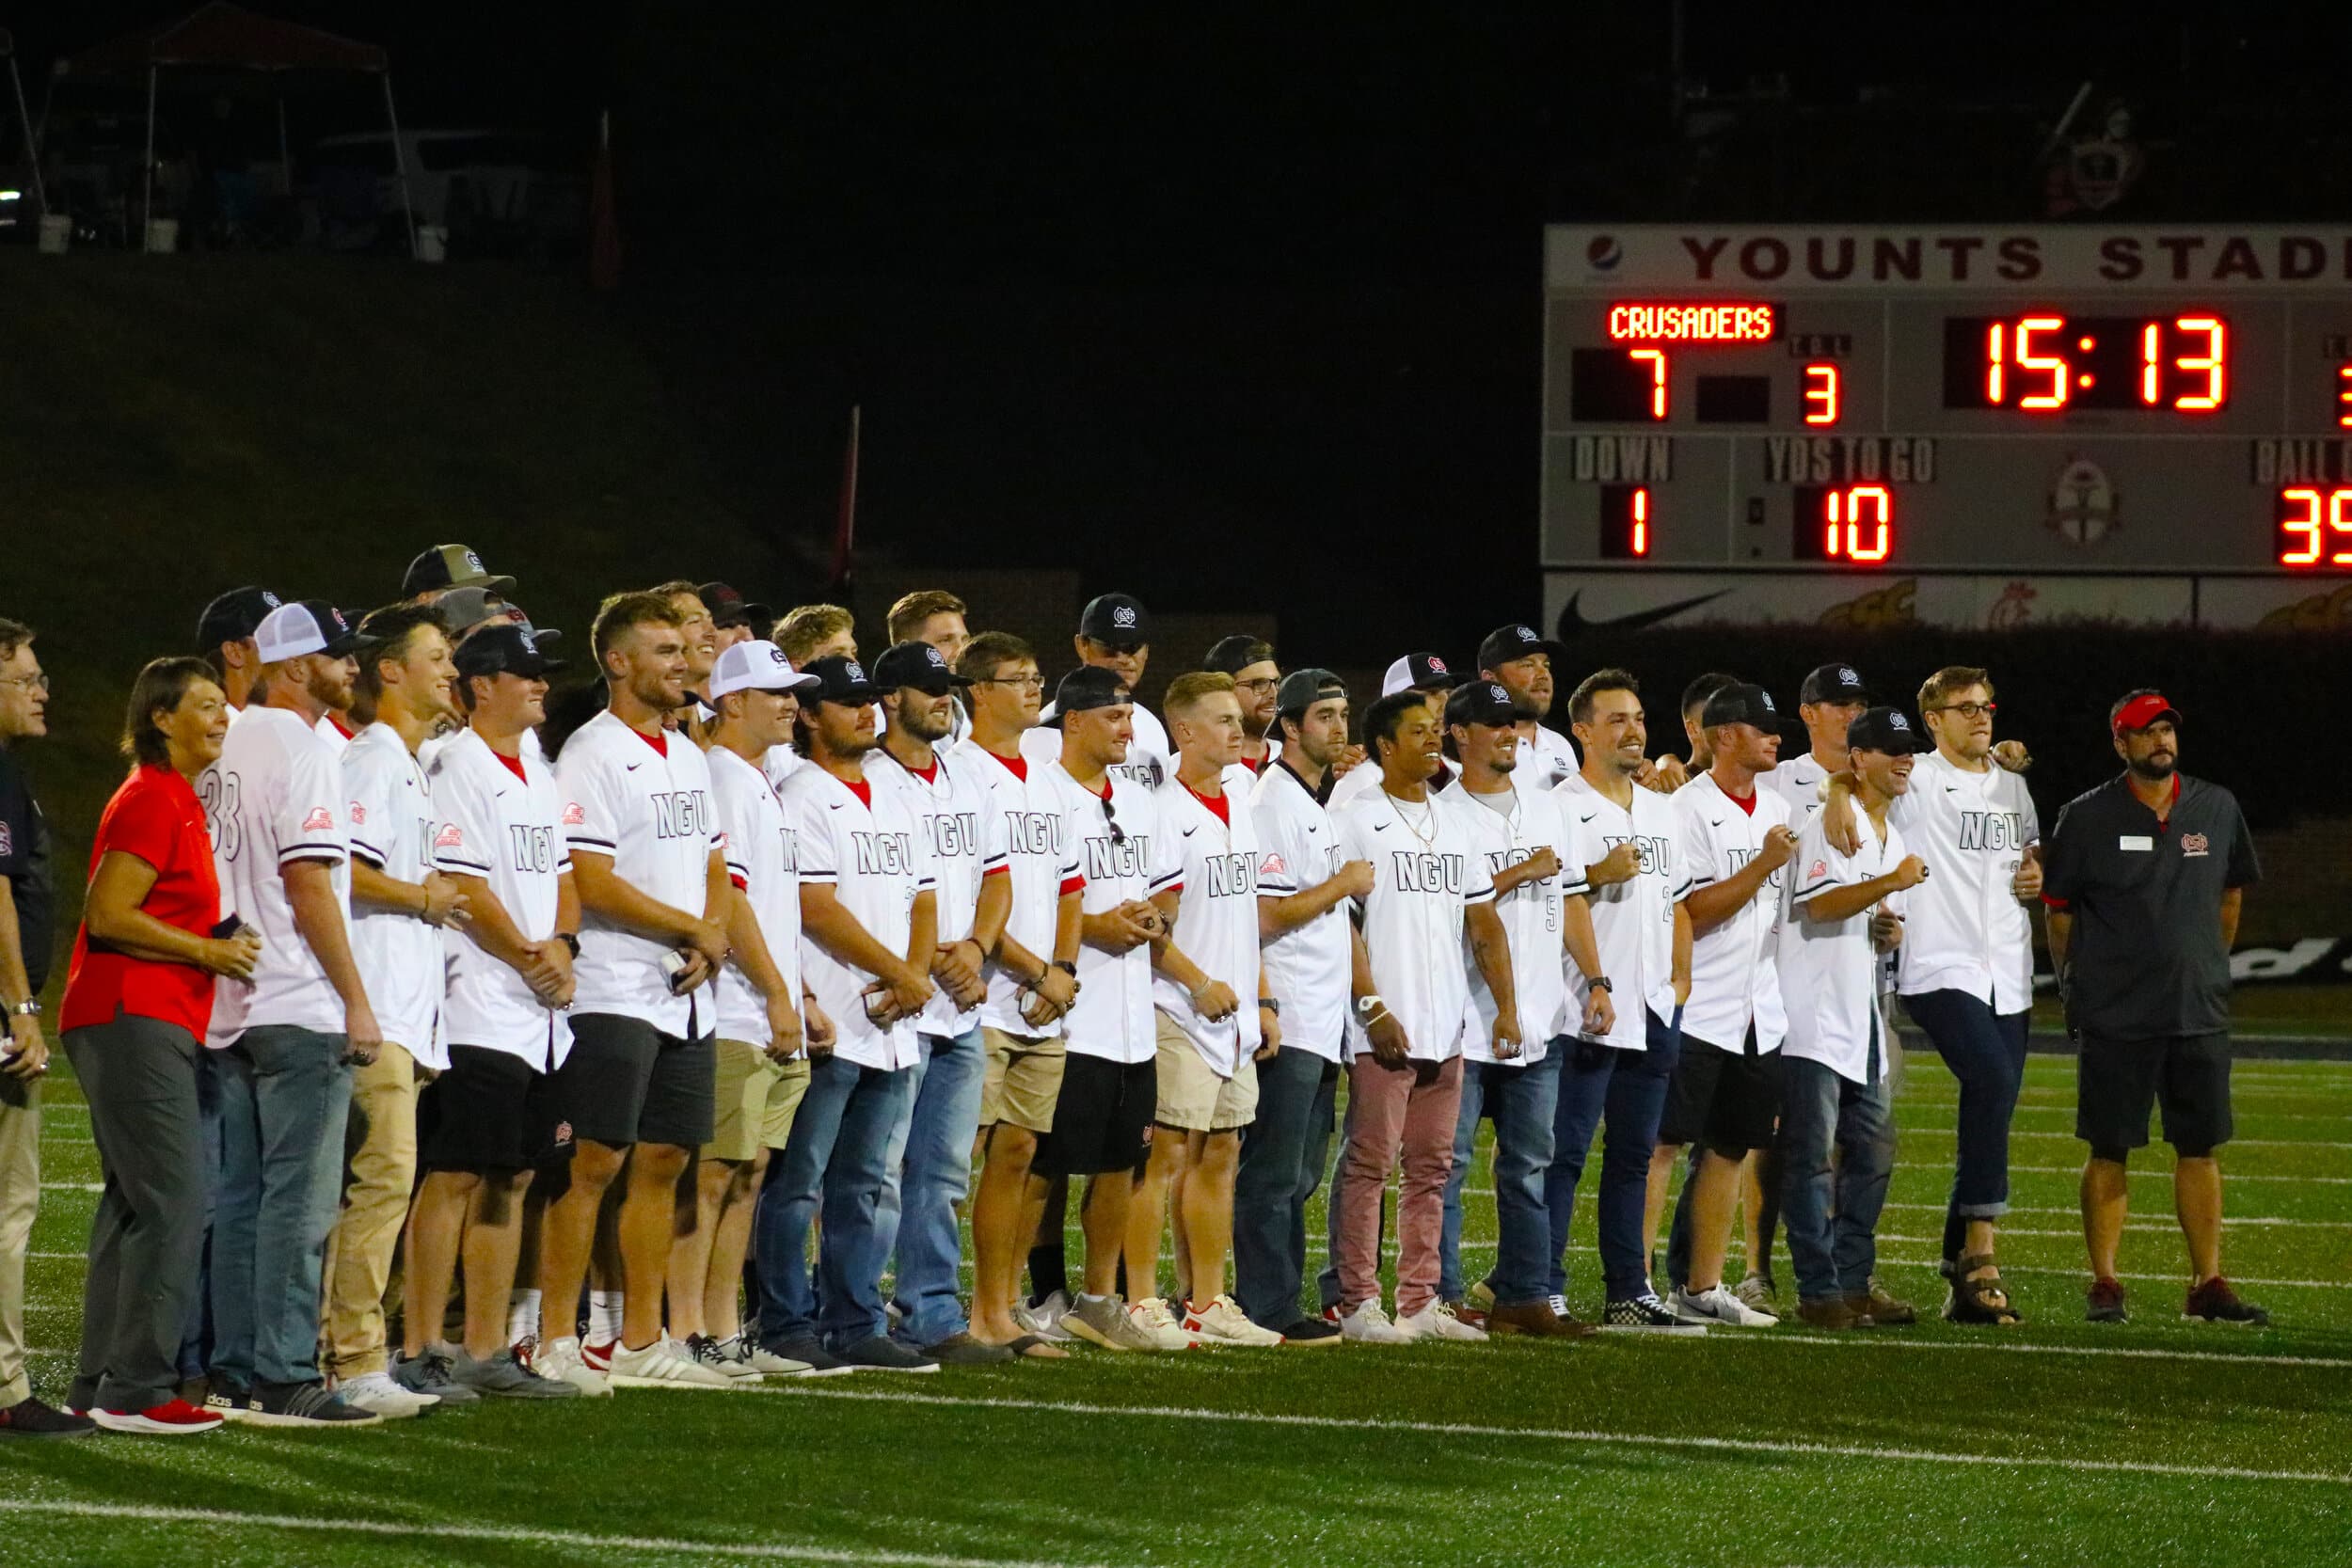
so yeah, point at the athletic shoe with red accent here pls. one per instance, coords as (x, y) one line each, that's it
(173, 1418)
(2103, 1303)
(598, 1359)
(2214, 1301)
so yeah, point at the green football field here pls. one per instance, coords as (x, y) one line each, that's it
(2155, 1441)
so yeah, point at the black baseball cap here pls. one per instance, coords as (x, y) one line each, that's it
(1886, 729)
(919, 665)
(1303, 689)
(1480, 703)
(1088, 685)
(1115, 621)
(1741, 704)
(730, 609)
(1515, 641)
(1417, 672)
(450, 566)
(504, 647)
(1232, 654)
(233, 617)
(841, 680)
(1834, 683)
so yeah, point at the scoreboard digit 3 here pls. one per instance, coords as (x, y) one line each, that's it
(2012, 425)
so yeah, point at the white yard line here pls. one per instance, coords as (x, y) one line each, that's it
(1560, 1434)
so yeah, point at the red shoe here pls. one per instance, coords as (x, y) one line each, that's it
(177, 1418)
(598, 1357)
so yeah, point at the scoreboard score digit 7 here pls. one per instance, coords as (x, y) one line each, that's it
(2054, 401)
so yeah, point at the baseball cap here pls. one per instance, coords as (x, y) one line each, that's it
(1515, 641)
(1417, 670)
(1303, 689)
(305, 626)
(756, 667)
(730, 609)
(233, 617)
(504, 647)
(1834, 683)
(1088, 685)
(1741, 704)
(1115, 621)
(450, 566)
(1480, 703)
(1886, 729)
(1232, 654)
(841, 680)
(919, 665)
(2141, 711)
(464, 608)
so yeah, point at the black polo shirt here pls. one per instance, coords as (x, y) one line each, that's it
(2145, 959)
(24, 862)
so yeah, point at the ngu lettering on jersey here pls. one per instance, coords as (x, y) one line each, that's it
(1651, 850)
(1231, 875)
(683, 814)
(1992, 830)
(954, 834)
(533, 848)
(1420, 871)
(885, 854)
(1033, 832)
(1108, 859)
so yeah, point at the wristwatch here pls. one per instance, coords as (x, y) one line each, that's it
(1601, 982)
(1269, 1005)
(29, 1007)
(1067, 967)
(1368, 1005)
(570, 939)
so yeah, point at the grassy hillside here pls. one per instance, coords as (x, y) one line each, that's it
(173, 426)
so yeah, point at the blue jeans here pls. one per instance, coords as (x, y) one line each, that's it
(935, 1177)
(284, 1095)
(1986, 1051)
(1834, 1255)
(1283, 1155)
(1521, 1101)
(1628, 1088)
(835, 1165)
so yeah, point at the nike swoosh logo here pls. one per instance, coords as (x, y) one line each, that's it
(633, 767)
(833, 805)
(1379, 826)
(1952, 789)
(1572, 625)
(1190, 831)
(1588, 818)
(1717, 820)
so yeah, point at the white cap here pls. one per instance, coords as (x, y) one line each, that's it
(756, 667)
(305, 626)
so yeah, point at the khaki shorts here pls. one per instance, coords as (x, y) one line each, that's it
(1023, 1080)
(756, 1101)
(1194, 1098)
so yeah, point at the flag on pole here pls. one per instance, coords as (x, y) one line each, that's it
(845, 524)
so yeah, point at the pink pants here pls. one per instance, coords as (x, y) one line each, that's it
(1409, 1110)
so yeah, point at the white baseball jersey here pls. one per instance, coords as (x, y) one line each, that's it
(1546, 762)
(1734, 981)
(780, 764)
(274, 796)
(965, 836)
(1151, 760)
(1633, 921)
(1427, 870)
(391, 817)
(1122, 857)
(1828, 969)
(1509, 827)
(1216, 915)
(330, 729)
(1363, 782)
(507, 823)
(644, 800)
(867, 845)
(1309, 968)
(1798, 781)
(1042, 864)
(1964, 929)
(763, 862)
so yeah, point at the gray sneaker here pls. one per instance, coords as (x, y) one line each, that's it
(1104, 1321)
(881, 1353)
(504, 1376)
(1044, 1317)
(430, 1373)
(810, 1352)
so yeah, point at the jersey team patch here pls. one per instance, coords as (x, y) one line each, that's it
(1272, 865)
(321, 820)
(573, 815)
(451, 837)
(359, 815)
(2195, 843)
(1821, 868)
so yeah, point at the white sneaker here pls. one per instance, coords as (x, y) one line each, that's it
(561, 1359)
(1153, 1316)
(663, 1364)
(1044, 1318)
(1224, 1322)
(745, 1351)
(1437, 1321)
(1369, 1325)
(1718, 1307)
(376, 1391)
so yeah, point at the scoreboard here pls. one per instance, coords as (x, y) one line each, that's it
(2031, 405)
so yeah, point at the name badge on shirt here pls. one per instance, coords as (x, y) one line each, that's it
(2140, 842)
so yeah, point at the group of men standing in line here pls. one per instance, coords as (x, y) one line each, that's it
(780, 940)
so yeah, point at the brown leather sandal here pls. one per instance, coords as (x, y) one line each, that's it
(1979, 1301)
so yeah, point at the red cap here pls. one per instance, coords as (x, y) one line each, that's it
(2142, 711)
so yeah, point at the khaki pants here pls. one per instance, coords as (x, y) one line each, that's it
(380, 1145)
(20, 1195)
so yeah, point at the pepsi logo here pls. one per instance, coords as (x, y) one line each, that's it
(1602, 252)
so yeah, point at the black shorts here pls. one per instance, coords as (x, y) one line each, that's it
(1101, 1118)
(627, 1083)
(1726, 1100)
(2117, 1081)
(490, 1111)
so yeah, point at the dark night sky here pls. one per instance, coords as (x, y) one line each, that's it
(1107, 284)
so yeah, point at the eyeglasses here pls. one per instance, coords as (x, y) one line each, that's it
(1969, 711)
(37, 681)
(1026, 683)
(1261, 686)
(1118, 835)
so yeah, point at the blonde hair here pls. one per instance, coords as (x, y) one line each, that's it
(802, 632)
(1185, 692)
(907, 616)
(1937, 688)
